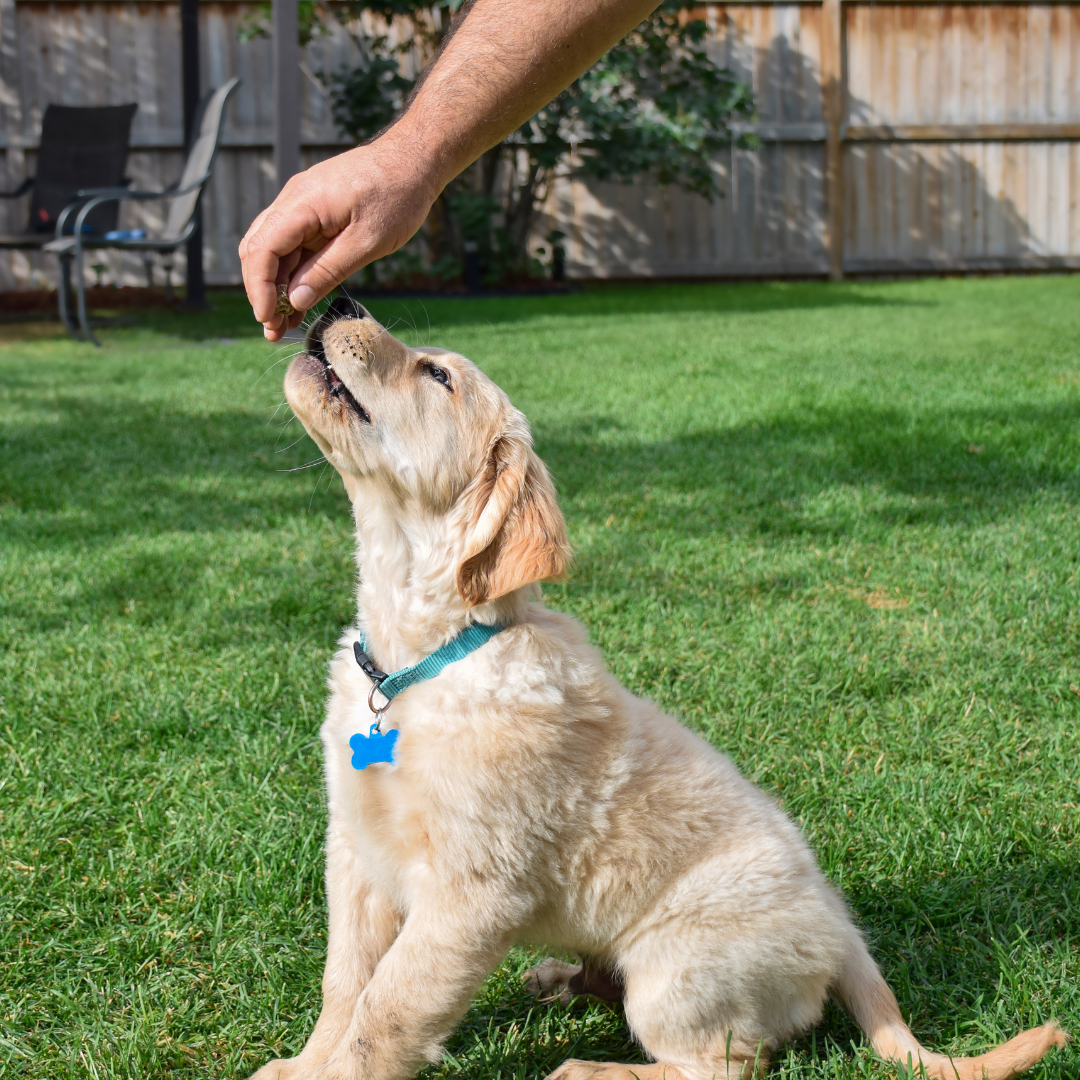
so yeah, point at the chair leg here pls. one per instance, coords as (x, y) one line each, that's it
(64, 297)
(148, 262)
(167, 263)
(80, 285)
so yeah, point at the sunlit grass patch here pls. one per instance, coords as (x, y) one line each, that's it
(782, 532)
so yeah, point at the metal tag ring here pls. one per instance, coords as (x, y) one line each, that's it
(371, 702)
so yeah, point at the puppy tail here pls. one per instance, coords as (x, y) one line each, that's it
(862, 991)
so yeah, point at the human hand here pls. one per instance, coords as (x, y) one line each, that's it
(330, 221)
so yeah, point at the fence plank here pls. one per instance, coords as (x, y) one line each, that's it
(960, 132)
(958, 145)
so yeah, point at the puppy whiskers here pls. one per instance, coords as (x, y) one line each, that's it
(283, 449)
(318, 481)
(307, 465)
(281, 359)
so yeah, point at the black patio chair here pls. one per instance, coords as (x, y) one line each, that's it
(79, 148)
(70, 245)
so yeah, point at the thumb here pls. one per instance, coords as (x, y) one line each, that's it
(324, 270)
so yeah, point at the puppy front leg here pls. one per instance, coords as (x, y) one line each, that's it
(362, 926)
(419, 991)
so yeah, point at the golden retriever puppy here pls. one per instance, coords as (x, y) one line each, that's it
(530, 798)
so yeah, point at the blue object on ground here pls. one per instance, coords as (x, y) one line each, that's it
(125, 234)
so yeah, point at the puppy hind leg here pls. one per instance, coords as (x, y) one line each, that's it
(556, 980)
(550, 980)
(701, 1023)
(681, 1052)
(609, 1070)
(734, 1069)
(738, 1064)
(697, 1052)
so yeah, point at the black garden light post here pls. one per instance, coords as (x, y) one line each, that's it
(189, 36)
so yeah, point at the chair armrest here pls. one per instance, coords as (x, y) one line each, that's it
(107, 194)
(22, 189)
(83, 194)
(61, 221)
(89, 198)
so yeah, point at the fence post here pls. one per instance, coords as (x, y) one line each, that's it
(286, 52)
(11, 97)
(11, 114)
(832, 88)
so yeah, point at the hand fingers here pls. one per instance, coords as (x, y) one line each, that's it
(276, 325)
(253, 228)
(324, 225)
(324, 270)
(260, 270)
(286, 265)
(272, 333)
(280, 233)
(254, 278)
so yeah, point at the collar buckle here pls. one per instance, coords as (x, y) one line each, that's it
(377, 677)
(367, 665)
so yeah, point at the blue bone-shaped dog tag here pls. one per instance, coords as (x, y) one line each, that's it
(372, 748)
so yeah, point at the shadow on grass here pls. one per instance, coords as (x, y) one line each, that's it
(230, 314)
(96, 476)
(944, 942)
(955, 918)
(427, 315)
(760, 476)
(98, 471)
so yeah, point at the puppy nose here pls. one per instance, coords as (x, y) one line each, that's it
(345, 307)
(341, 308)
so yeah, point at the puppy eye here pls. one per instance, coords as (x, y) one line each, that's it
(440, 375)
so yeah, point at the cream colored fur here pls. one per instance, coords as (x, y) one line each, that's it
(532, 799)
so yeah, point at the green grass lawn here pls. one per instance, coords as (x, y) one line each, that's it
(834, 528)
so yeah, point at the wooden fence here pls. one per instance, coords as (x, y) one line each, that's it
(104, 52)
(896, 136)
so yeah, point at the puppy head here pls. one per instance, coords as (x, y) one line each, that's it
(429, 430)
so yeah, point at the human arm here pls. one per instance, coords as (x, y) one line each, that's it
(504, 62)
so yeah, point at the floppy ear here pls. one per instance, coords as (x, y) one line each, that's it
(516, 533)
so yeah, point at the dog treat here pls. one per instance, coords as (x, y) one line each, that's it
(284, 305)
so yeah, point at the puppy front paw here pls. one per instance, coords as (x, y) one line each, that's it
(281, 1069)
(572, 1069)
(550, 980)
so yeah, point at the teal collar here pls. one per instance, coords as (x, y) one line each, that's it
(390, 685)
